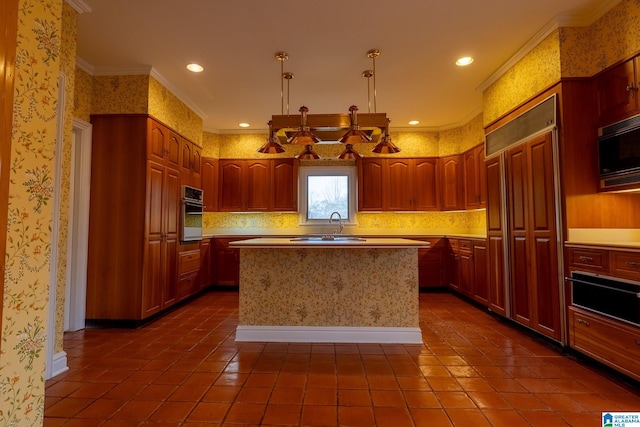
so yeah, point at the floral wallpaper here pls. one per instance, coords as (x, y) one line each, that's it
(69, 33)
(28, 245)
(82, 95)
(318, 287)
(166, 107)
(120, 94)
(535, 72)
(616, 35)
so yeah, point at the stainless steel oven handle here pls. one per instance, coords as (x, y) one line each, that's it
(584, 282)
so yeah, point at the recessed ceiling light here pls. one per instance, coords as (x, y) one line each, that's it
(414, 122)
(244, 125)
(465, 60)
(196, 68)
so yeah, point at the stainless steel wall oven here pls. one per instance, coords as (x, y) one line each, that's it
(191, 217)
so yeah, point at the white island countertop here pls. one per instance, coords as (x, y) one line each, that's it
(318, 242)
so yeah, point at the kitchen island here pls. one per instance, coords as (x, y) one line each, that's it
(331, 289)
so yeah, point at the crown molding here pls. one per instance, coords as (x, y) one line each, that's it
(79, 5)
(144, 70)
(563, 20)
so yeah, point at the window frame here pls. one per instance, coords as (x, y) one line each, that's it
(305, 171)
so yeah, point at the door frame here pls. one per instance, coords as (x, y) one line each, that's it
(78, 239)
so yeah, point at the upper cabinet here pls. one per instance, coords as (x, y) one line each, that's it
(209, 174)
(617, 90)
(398, 184)
(190, 163)
(475, 181)
(452, 182)
(257, 185)
(163, 145)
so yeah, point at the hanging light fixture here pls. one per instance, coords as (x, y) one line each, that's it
(385, 146)
(303, 136)
(349, 153)
(354, 134)
(308, 153)
(272, 146)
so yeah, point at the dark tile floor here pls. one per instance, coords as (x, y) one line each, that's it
(185, 369)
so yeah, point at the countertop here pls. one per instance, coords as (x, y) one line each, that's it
(369, 233)
(368, 243)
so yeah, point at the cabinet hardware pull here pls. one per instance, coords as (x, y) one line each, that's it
(586, 259)
(633, 264)
(584, 322)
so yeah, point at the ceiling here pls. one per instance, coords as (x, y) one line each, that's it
(327, 43)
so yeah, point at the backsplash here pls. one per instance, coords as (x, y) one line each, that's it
(458, 222)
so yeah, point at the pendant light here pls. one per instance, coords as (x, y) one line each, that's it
(349, 153)
(385, 146)
(272, 146)
(303, 136)
(354, 134)
(308, 153)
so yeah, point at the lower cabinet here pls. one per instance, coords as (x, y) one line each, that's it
(188, 268)
(226, 262)
(607, 340)
(432, 271)
(467, 268)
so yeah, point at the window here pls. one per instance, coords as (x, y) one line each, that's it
(324, 190)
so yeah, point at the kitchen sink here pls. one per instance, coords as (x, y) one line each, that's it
(327, 238)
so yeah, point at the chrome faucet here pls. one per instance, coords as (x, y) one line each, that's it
(340, 225)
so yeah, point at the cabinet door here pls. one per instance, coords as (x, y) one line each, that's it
(156, 135)
(196, 166)
(425, 185)
(617, 92)
(453, 186)
(517, 187)
(465, 266)
(204, 273)
(400, 184)
(231, 186)
(542, 229)
(495, 237)
(371, 180)
(471, 193)
(285, 185)
(481, 289)
(482, 177)
(210, 184)
(258, 185)
(172, 206)
(172, 150)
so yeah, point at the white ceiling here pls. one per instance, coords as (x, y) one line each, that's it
(327, 43)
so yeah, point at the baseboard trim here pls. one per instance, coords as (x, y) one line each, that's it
(59, 364)
(329, 334)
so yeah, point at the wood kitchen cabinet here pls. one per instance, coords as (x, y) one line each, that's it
(475, 182)
(257, 185)
(452, 176)
(617, 92)
(190, 163)
(532, 235)
(398, 184)
(431, 264)
(188, 269)
(225, 262)
(467, 264)
(209, 184)
(133, 219)
(497, 288)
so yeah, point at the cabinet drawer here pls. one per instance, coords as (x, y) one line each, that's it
(613, 343)
(625, 264)
(589, 259)
(188, 262)
(464, 245)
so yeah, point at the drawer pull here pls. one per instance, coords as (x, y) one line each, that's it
(586, 258)
(633, 264)
(584, 322)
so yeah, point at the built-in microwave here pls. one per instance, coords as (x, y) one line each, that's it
(619, 155)
(191, 218)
